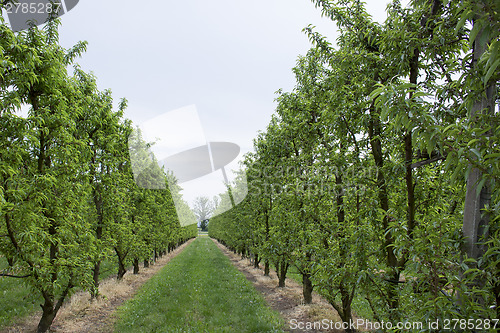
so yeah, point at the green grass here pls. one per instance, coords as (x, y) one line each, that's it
(198, 291)
(16, 298)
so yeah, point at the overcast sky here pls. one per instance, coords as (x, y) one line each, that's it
(226, 57)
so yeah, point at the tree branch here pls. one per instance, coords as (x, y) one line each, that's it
(428, 161)
(64, 295)
(15, 276)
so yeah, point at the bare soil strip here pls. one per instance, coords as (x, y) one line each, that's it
(288, 300)
(80, 315)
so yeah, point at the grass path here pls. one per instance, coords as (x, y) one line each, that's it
(198, 291)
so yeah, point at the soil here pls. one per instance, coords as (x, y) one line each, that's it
(288, 301)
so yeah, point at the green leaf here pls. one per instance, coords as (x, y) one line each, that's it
(407, 85)
(473, 141)
(460, 23)
(480, 186)
(447, 128)
(473, 34)
(490, 72)
(492, 54)
(420, 94)
(476, 152)
(384, 113)
(495, 155)
(377, 92)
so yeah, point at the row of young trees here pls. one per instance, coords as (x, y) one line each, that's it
(378, 177)
(68, 197)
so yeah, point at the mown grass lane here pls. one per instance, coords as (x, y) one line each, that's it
(198, 291)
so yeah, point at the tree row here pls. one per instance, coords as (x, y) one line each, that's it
(69, 198)
(378, 175)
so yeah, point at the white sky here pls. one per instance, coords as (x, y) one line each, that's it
(226, 57)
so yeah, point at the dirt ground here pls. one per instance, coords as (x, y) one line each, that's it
(79, 315)
(288, 300)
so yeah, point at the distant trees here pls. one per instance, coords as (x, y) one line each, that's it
(359, 179)
(68, 199)
(204, 225)
(203, 208)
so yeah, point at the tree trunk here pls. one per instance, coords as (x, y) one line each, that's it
(475, 222)
(136, 266)
(121, 264)
(282, 273)
(344, 309)
(375, 131)
(98, 203)
(346, 306)
(410, 188)
(50, 308)
(146, 263)
(48, 315)
(408, 152)
(121, 270)
(307, 288)
(266, 220)
(256, 261)
(94, 292)
(266, 268)
(10, 261)
(346, 313)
